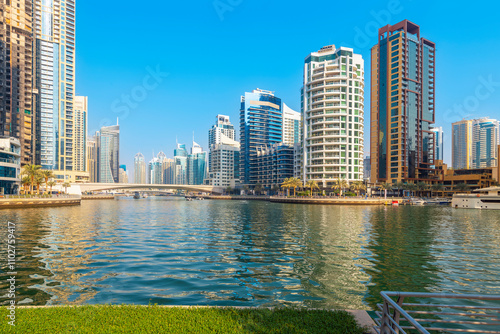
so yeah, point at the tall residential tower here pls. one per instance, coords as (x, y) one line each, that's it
(332, 106)
(402, 105)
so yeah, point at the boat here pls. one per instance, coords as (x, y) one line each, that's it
(484, 199)
(189, 198)
(438, 201)
(417, 201)
(137, 195)
(201, 199)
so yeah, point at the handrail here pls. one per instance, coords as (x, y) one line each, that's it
(388, 320)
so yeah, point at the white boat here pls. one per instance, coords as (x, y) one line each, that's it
(417, 201)
(485, 199)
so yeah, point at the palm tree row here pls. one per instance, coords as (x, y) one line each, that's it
(340, 184)
(35, 176)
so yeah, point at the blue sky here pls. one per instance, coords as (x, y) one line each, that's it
(168, 68)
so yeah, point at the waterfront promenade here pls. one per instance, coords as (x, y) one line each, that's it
(312, 200)
(12, 202)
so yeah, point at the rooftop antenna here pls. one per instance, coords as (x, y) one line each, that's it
(117, 121)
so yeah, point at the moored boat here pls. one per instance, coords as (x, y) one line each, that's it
(484, 199)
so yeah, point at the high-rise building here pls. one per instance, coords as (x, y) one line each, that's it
(168, 168)
(224, 155)
(274, 165)
(402, 105)
(54, 24)
(16, 79)
(180, 164)
(80, 116)
(196, 165)
(109, 154)
(155, 171)
(485, 140)
(92, 152)
(461, 151)
(10, 166)
(438, 143)
(222, 127)
(333, 114)
(139, 169)
(291, 126)
(123, 174)
(261, 124)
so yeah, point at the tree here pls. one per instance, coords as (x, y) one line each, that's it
(340, 184)
(66, 185)
(421, 187)
(311, 184)
(258, 188)
(275, 188)
(245, 189)
(47, 174)
(295, 183)
(38, 181)
(385, 186)
(400, 186)
(462, 187)
(287, 185)
(31, 171)
(357, 186)
(51, 184)
(412, 187)
(25, 182)
(229, 190)
(437, 188)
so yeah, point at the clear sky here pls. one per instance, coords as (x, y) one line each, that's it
(167, 68)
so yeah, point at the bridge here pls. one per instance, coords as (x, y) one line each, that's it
(93, 187)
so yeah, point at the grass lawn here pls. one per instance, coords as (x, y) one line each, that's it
(157, 319)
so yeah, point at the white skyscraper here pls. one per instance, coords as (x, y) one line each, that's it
(485, 141)
(80, 116)
(54, 23)
(438, 143)
(139, 169)
(291, 126)
(333, 114)
(221, 127)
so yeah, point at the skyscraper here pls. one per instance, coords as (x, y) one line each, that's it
(196, 165)
(55, 83)
(180, 162)
(16, 79)
(154, 171)
(333, 113)
(261, 124)
(92, 152)
(80, 116)
(438, 143)
(402, 105)
(291, 126)
(461, 151)
(222, 127)
(139, 169)
(485, 140)
(109, 154)
(123, 174)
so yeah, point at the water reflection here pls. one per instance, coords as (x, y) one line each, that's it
(242, 253)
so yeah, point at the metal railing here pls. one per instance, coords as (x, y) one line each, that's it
(475, 314)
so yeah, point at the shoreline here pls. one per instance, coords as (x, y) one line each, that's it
(23, 203)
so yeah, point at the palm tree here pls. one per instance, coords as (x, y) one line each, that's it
(47, 174)
(258, 188)
(25, 182)
(38, 181)
(462, 187)
(51, 184)
(228, 190)
(295, 183)
(399, 186)
(385, 186)
(340, 184)
(287, 185)
(437, 188)
(357, 186)
(411, 187)
(66, 185)
(311, 184)
(246, 188)
(275, 188)
(31, 171)
(421, 187)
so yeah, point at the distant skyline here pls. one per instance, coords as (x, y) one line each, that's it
(168, 69)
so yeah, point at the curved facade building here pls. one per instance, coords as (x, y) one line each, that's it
(10, 165)
(333, 112)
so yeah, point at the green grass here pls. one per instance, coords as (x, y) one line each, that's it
(157, 319)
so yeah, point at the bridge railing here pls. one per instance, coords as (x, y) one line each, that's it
(438, 313)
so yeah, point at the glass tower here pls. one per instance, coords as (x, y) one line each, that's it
(55, 83)
(139, 169)
(402, 105)
(109, 149)
(261, 124)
